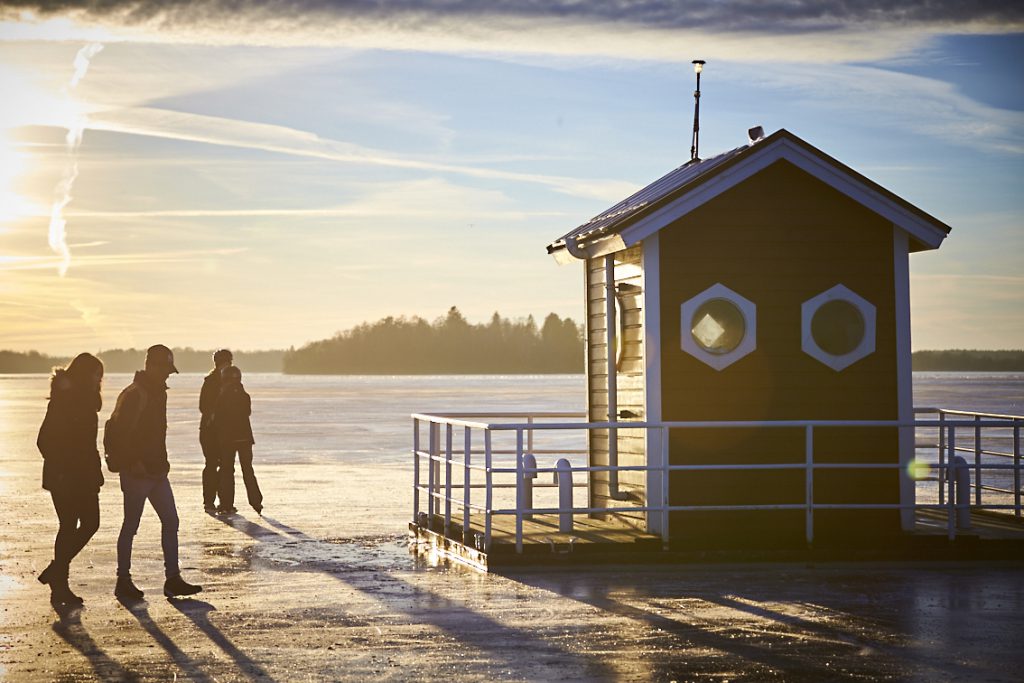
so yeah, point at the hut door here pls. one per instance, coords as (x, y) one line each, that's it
(617, 376)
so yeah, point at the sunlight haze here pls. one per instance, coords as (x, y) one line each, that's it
(264, 178)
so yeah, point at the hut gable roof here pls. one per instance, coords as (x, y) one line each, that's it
(696, 182)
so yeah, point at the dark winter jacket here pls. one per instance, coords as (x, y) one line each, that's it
(231, 415)
(208, 398)
(67, 438)
(143, 404)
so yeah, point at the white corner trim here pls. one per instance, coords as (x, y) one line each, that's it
(763, 157)
(867, 343)
(747, 308)
(904, 373)
(651, 268)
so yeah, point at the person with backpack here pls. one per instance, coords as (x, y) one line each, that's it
(234, 434)
(135, 439)
(71, 467)
(207, 435)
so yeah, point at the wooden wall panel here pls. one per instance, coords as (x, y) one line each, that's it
(628, 364)
(778, 239)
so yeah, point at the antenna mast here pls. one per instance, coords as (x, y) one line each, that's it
(698, 66)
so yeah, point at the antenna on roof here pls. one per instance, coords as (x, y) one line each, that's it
(698, 66)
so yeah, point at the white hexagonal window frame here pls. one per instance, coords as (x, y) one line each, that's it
(867, 312)
(747, 308)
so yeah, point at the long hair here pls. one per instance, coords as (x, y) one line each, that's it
(79, 373)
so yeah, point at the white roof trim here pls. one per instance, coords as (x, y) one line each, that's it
(918, 227)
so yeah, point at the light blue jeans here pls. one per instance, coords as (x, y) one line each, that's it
(136, 491)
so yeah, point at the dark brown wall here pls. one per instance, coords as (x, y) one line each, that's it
(779, 238)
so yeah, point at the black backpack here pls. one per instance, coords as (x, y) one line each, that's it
(117, 431)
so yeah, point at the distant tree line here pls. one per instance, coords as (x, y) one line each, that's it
(449, 345)
(129, 360)
(969, 361)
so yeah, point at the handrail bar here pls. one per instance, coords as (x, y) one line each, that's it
(720, 424)
(972, 413)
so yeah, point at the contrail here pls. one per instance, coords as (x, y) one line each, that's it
(58, 226)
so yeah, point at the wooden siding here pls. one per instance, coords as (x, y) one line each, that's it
(628, 364)
(778, 239)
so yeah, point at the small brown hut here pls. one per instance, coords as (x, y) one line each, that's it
(765, 284)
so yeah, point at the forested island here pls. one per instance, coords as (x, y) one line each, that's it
(448, 345)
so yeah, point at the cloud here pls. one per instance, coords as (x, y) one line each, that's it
(215, 130)
(822, 30)
(914, 104)
(44, 262)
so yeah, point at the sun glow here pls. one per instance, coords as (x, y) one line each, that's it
(28, 105)
(12, 164)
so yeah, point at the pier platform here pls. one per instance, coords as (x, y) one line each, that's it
(991, 536)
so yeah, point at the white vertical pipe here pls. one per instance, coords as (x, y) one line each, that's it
(1016, 468)
(432, 471)
(665, 488)
(519, 490)
(416, 470)
(488, 490)
(950, 480)
(467, 480)
(943, 474)
(611, 329)
(447, 480)
(977, 460)
(809, 465)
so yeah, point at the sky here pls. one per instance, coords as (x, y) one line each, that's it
(209, 173)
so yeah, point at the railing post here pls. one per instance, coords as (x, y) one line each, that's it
(1016, 468)
(665, 488)
(519, 490)
(415, 470)
(977, 460)
(529, 463)
(433, 472)
(467, 480)
(529, 434)
(962, 486)
(563, 477)
(447, 480)
(488, 490)
(950, 474)
(809, 468)
(942, 458)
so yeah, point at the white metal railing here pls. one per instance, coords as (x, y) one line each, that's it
(993, 441)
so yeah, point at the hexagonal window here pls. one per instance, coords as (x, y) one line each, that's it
(838, 327)
(718, 326)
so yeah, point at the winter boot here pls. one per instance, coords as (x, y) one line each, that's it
(126, 589)
(60, 592)
(176, 586)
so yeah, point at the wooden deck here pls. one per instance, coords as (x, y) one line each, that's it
(985, 525)
(991, 536)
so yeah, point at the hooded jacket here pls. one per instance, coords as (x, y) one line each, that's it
(208, 398)
(67, 437)
(143, 404)
(231, 415)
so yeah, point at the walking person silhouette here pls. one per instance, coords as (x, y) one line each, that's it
(71, 467)
(141, 419)
(234, 433)
(207, 435)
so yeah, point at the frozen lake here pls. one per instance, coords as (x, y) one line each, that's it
(324, 587)
(302, 418)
